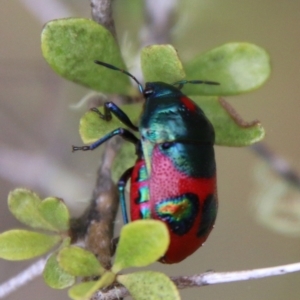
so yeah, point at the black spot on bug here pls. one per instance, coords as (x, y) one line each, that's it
(209, 214)
(179, 212)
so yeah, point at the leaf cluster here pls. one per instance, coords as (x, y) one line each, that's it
(70, 46)
(141, 243)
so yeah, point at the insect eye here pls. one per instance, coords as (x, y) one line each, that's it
(148, 92)
(166, 146)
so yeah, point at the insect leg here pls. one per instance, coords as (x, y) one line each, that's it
(124, 133)
(112, 108)
(121, 187)
(124, 179)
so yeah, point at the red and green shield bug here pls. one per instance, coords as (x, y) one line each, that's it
(174, 177)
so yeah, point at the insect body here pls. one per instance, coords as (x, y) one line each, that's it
(174, 178)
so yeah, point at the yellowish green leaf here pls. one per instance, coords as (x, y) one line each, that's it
(24, 205)
(85, 290)
(161, 63)
(55, 276)
(230, 128)
(238, 67)
(79, 262)
(70, 46)
(141, 243)
(49, 214)
(22, 244)
(149, 285)
(55, 213)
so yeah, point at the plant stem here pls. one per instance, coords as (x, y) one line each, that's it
(277, 163)
(102, 14)
(209, 278)
(23, 278)
(159, 16)
(98, 222)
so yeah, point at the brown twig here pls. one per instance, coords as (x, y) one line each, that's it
(159, 16)
(104, 208)
(277, 163)
(23, 278)
(235, 116)
(182, 282)
(209, 278)
(98, 221)
(102, 14)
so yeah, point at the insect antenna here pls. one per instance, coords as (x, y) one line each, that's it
(109, 66)
(181, 83)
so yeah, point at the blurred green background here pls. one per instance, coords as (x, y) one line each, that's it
(38, 127)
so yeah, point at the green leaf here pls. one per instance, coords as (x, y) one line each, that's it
(238, 67)
(55, 213)
(23, 244)
(49, 214)
(124, 160)
(275, 199)
(161, 63)
(141, 243)
(149, 285)
(70, 46)
(55, 276)
(79, 262)
(85, 290)
(24, 204)
(230, 129)
(92, 127)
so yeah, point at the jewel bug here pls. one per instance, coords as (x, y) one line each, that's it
(174, 177)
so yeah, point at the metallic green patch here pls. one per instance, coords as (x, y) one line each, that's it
(179, 212)
(192, 159)
(142, 174)
(145, 213)
(143, 195)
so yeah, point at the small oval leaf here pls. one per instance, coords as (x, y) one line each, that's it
(238, 67)
(24, 205)
(49, 214)
(161, 63)
(70, 46)
(55, 213)
(149, 285)
(22, 244)
(275, 200)
(85, 290)
(141, 243)
(55, 276)
(79, 262)
(124, 160)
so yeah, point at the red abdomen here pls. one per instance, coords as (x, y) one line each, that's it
(186, 204)
(139, 192)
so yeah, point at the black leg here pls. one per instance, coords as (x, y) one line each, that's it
(124, 179)
(111, 108)
(121, 187)
(124, 133)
